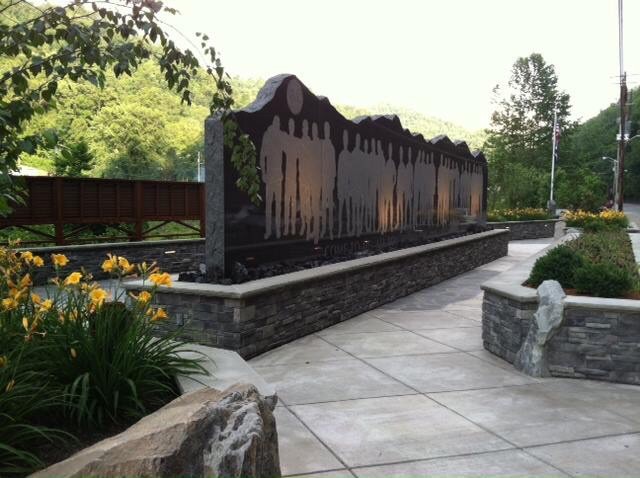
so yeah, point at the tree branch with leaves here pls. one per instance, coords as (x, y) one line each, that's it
(80, 42)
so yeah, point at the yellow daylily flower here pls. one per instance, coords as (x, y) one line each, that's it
(161, 279)
(38, 261)
(73, 278)
(26, 256)
(25, 281)
(36, 299)
(159, 314)
(25, 323)
(59, 260)
(109, 264)
(144, 297)
(98, 296)
(46, 306)
(9, 303)
(16, 294)
(124, 265)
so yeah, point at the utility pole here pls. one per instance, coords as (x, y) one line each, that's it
(622, 142)
(623, 115)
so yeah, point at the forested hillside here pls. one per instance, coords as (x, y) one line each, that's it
(596, 138)
(136, 128)
(419, 123)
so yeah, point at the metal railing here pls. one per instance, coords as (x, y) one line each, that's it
(79, 203)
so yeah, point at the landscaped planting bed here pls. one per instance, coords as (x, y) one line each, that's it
(598, 338)
(599, 264)
(518, 214)
(592, 221)
(77, 365)
(523, 223)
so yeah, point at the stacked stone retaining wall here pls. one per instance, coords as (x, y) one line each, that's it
(598, 339)
(171, 256)
(527, 229)
(254, 317)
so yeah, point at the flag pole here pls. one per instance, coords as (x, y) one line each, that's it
(554, 135)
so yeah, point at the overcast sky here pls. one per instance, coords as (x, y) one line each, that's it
(439, 57)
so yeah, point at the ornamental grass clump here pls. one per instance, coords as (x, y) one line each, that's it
(78, 359)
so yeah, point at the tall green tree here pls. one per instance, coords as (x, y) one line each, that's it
(81, 41)
(74, 160)
(519, 140)
(596, 138)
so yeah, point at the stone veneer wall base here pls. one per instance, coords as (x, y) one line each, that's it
(520, 230)
(598, 339)
(171, 256)
(256, 316)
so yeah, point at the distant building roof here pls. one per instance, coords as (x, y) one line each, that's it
(30, 171)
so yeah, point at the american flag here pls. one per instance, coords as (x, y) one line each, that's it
(556, 136)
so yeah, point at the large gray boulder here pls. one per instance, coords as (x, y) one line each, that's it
(532, 357)
(204, 433)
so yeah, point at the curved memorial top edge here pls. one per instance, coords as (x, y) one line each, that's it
(391, 122)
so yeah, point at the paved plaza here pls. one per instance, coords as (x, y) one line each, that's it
(407, 390)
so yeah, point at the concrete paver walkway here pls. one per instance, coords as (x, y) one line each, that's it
(407, 390)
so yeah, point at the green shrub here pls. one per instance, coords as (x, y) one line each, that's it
(597, 225)
(558, 264)
(603, 280)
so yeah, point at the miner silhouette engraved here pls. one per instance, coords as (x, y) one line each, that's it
(326, 178)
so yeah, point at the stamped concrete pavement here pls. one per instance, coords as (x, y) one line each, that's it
(407, 390)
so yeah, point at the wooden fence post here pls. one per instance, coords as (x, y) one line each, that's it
(59, 224)
(203, 210)
(138, 205)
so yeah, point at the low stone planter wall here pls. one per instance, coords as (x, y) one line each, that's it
(257, 316)
(171, 256)
(598, 338)
(527, 229)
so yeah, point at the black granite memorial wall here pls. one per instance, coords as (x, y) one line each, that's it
(329, 184)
